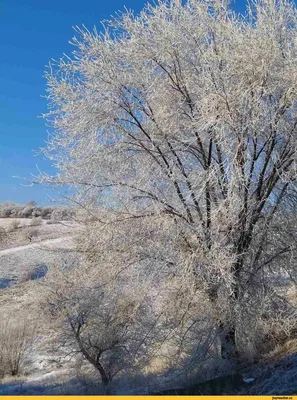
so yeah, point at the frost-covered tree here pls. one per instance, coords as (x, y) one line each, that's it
(107, 322)
(186, 115)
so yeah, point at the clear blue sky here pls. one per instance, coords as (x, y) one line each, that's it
(31, 33)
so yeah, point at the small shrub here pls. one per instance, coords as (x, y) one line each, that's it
(37, 212)
(46, 212)
(5, 212)
(13, 226)
(27, 212)
(36, 221)
(31, 233)
(16, 340)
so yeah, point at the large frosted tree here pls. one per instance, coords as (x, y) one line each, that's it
(185, 117)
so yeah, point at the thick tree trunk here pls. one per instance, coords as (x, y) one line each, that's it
(104, 377)
(227, 329)
(228, 342)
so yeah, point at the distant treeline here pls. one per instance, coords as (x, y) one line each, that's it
(31, 210)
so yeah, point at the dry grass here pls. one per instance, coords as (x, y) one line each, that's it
(281, 350)
(16, 342)
(14, 225)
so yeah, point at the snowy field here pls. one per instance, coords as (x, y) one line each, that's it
(20, 252)
(17, 231)
(14, 262)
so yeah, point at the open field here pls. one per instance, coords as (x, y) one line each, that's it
(23, 231)
(19, 248)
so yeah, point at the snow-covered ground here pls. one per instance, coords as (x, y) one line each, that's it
(65, 242)
(16, 259)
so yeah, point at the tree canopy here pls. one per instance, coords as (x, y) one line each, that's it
(181, 123)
